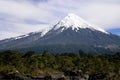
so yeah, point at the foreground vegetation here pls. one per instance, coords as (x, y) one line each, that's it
(35, 64)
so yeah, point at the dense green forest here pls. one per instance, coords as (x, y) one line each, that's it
(30, 63)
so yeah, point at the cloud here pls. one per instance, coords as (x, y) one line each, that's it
(24, 16)
(22, 10)
(104, 15)
(8, 34)
(18, 29)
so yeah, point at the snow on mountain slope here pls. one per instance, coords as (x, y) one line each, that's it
(75, 22)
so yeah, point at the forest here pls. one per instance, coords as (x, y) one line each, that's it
(97, 67)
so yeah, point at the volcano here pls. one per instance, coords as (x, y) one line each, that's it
(70, 34)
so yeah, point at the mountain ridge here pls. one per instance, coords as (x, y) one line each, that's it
(70, 34)
(70, 17)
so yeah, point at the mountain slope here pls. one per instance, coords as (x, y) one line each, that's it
(70, 34)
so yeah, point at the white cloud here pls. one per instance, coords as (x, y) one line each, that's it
(104, 15)
(7, 34)
(25, 28)
(20, 29)
(23, 10)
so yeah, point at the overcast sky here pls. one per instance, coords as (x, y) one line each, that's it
(19, 17)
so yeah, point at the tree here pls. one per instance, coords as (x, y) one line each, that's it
(81, 53)
(29, 54)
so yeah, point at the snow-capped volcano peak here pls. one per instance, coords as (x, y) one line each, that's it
(75, 22)
(70, 21)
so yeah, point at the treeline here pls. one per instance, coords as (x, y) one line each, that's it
(30, 63)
